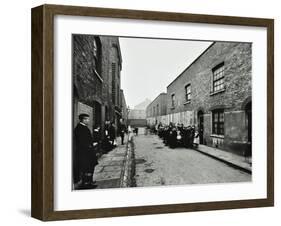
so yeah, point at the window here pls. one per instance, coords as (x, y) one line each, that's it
(218, 77)
(97, 55)
(218, 122)
(187, 92)
(173, 97)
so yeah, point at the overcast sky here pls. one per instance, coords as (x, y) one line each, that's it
(150, 65)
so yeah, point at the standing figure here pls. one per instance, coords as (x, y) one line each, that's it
(196, 139)
(122, 130)
(97, 140)
(112, 134)
(106, 146)
(85, 153)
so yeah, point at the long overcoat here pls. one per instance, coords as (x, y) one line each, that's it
(84, 150)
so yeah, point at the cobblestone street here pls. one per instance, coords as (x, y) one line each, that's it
(157, 164)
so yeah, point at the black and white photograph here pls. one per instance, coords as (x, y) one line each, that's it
(160, 112)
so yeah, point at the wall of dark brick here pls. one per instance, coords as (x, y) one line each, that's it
(89, 87)
(237, 61)
(160, 100)
(237, 58)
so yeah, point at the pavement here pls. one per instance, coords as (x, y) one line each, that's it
(234, 160)
(113, 167)
(158, 164)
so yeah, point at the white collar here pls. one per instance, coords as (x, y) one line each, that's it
(82, 124)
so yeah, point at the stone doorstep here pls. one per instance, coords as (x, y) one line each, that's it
(99, 169)
(113, 163)
(112, 168)
(108, 183)
(118, 158)
(107, 175)
(119, 155)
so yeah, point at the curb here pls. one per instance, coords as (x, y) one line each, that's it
(226, 162)
(126, 179)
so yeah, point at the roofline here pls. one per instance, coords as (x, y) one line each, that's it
(163, 93)
(117, 46)
(193, 62)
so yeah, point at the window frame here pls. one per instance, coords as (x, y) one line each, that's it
(187, 93)
(218, 79)
(173, 99)
(218, 122)
(97, 55)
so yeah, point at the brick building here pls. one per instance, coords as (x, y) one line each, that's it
(97, 64)
(156, 111)
(214, 94)
(137, 114)
(124, 108)
(137, 118)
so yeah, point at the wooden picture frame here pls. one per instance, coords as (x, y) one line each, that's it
(42, 205)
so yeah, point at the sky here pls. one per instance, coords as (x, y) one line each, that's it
(150, 65)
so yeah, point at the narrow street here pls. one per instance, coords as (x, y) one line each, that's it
(157, 164)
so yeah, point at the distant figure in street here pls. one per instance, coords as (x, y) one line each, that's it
(112, 134)
(85, 152)
(123, 130)
(136, 130)
(196, 139)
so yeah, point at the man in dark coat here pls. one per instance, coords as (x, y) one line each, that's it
(122, 130)
(106, 146)
(85, 153)
(112, 133)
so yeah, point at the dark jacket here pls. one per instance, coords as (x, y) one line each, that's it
(112, 133)
(122, 129)
(96, 136)
(83, 138)
(84, 151)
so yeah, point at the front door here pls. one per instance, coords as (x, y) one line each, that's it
(249, 119)
(97, 114)
(201, 126)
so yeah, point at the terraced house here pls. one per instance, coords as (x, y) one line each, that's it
(214, 94)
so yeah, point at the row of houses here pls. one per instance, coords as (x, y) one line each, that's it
(96, 70)
(214, 94)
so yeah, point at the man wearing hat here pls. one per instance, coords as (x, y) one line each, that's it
(85, 152)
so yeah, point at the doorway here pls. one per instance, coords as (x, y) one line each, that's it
(248, 110)
(201, 126)
(97, 114)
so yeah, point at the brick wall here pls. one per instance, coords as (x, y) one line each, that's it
(161, 101)
(237, 61)
(92, 79)
(237, 79)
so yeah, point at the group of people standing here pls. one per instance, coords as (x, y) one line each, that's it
(89, 146)
(177, 135)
